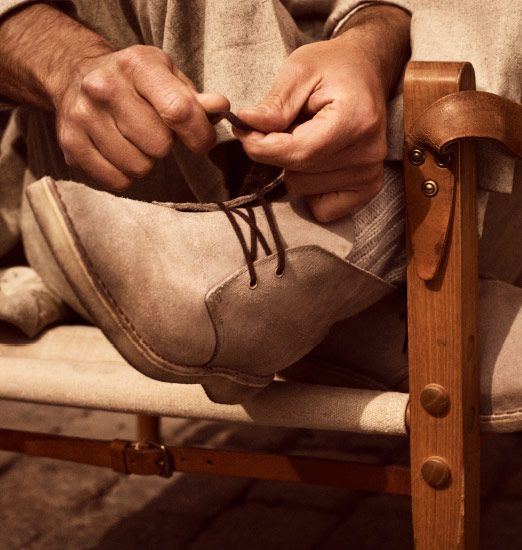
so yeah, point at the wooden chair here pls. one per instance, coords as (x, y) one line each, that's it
(440, 415)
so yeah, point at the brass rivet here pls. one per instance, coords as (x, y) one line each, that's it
(444, 160)
(436, 472)
(430, 188)
(416, 157)
(435, 400)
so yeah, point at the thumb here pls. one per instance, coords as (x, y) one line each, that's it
(282, 104)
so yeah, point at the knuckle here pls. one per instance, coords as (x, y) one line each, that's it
(98, 86)
(178, 109)
(273, 102)
(81, 111)
(139, 56)
(370, 119)
(69, 159)
(299, 59)
(67, 143)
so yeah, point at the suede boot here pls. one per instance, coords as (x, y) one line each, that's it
(223, 294)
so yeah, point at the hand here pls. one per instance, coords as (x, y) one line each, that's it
(122, 110)
(336, 158)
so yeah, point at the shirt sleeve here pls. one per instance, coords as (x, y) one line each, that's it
(487, 34)
(344, 9)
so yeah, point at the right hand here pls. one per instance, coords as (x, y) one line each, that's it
(123, 110)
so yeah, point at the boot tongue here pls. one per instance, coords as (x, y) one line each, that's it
(269, 179)
(259, 179)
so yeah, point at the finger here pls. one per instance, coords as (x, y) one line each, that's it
(332, 206)
(289, 94)
(331, 131)
(213, 102)
(118, 150)
(309, 143)
(143, 127)
(80, 152)
(305, 183)
(177, 106)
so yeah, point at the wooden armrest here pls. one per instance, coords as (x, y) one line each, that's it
(442, 319)
(468, 115)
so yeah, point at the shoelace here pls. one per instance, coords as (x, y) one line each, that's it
(256, 236)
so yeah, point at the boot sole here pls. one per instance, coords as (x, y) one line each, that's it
(60, 235)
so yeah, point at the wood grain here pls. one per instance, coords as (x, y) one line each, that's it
(148, 428)
(442, 321)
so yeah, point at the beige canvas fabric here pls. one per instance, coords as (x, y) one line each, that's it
(77, 366)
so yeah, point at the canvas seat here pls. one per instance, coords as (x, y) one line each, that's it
(75, 365)
(342, 385)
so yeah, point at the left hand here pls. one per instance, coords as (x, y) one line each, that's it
(336, 157)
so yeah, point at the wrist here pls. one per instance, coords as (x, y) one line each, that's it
(68, 70)
(41, 50)
(380, 35)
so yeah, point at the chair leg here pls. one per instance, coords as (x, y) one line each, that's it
(442, 326)
(148, 428)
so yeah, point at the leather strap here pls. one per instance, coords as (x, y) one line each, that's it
(154, 459)
(469, 115)
(458, 116)
(126, 457)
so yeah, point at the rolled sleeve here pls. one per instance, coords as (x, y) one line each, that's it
(344, 9)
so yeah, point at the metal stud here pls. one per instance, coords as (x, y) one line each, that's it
(435, 400)
(436, 472)
(444, 160)
(430, 188)
(416, 157)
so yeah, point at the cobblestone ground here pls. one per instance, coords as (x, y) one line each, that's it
(56, 505)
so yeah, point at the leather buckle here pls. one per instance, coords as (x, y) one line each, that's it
(141, 457)
(165, 463)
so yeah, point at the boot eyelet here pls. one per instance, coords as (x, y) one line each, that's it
(252, 285)
(279, 274)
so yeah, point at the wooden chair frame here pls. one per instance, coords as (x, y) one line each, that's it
(443, 478)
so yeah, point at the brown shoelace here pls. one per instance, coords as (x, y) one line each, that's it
(258, 178)
(256, 235)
